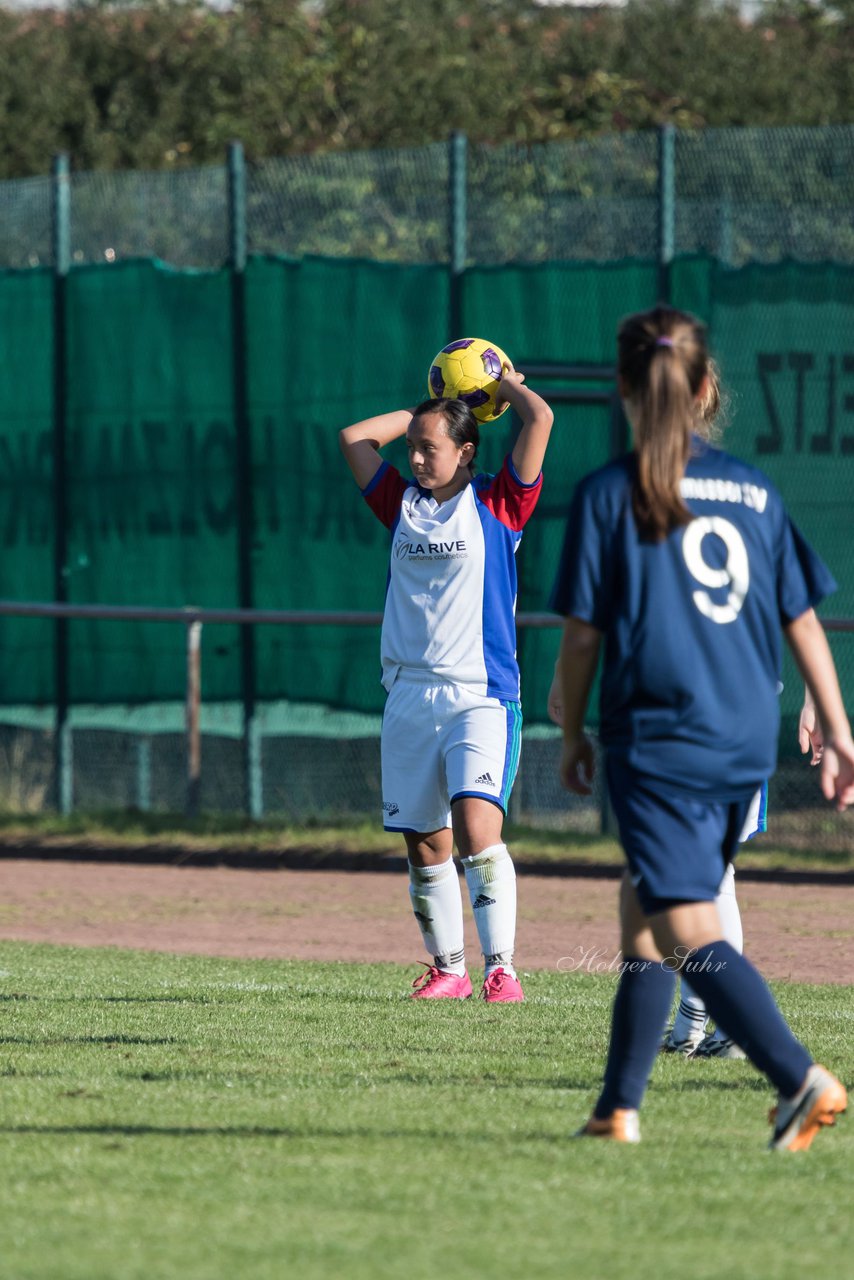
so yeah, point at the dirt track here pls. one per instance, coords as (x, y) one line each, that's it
(803, 933)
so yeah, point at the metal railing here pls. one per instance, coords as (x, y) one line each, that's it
(193, 619)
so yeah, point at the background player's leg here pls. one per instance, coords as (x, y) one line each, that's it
(689, 1025)
(434, 890)
(728, 912)
(687, 1034)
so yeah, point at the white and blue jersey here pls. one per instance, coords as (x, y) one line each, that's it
(692, 624)
(451, 595)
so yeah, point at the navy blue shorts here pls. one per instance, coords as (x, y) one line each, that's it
(677, 846)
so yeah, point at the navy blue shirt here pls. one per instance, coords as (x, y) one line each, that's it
(692, 648)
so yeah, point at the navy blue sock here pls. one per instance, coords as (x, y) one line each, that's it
(641, 1008)
(738, 999)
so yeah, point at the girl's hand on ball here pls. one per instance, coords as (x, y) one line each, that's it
(509, 379)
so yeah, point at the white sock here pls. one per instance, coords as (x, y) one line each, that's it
(438, 906)
(691, 1016)
(692, 1011)
(491, 880)
(730, 916)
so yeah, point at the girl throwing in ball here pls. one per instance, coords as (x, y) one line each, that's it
(452, 721)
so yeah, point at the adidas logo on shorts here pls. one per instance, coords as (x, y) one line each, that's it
(485, 779)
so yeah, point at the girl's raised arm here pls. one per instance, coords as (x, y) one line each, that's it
(537, 419)
(361, 442)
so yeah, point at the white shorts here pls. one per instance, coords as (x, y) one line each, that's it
(755, 822)
(757, 815)
(442, 742)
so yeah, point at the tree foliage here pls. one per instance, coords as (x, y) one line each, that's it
(167, 83)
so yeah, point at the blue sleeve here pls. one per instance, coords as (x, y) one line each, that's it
(584, 579)
(803, 579)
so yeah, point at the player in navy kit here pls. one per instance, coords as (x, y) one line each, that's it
(681, 563)
(452, 722)
(688, 1035)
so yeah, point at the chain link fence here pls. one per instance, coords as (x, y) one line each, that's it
(741, 195)
(322, 773)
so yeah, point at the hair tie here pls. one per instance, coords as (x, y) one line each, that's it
(664, 342)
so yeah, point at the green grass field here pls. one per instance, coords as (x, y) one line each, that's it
(191, 1117)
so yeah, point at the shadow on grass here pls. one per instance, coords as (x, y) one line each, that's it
(752, 1084)
(43, 1040)
(138, 999)
(197, 1000)
(165, 1131)
(270, 1132)
(188, 999)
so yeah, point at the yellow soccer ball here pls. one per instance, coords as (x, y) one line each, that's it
(470, 370)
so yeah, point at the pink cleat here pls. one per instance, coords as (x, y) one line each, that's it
(502, 988)
(435, 984)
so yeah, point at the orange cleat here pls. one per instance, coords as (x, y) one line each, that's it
(621, 1125)
(820, 1099)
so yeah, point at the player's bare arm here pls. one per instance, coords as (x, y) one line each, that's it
(537, 418)
(579, 655)
(808, 642)
(810, 733)
(554, 702)
(361, 442)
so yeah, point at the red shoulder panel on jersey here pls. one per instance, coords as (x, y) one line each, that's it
(385, 493)
(508, 498)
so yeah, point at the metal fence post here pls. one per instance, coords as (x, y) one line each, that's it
(457, 229)
(193, 717)
(143, 773)
(61, 253)
(253, 790)
(726, 248)
(666, 207)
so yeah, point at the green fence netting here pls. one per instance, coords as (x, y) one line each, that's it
(152, 491)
